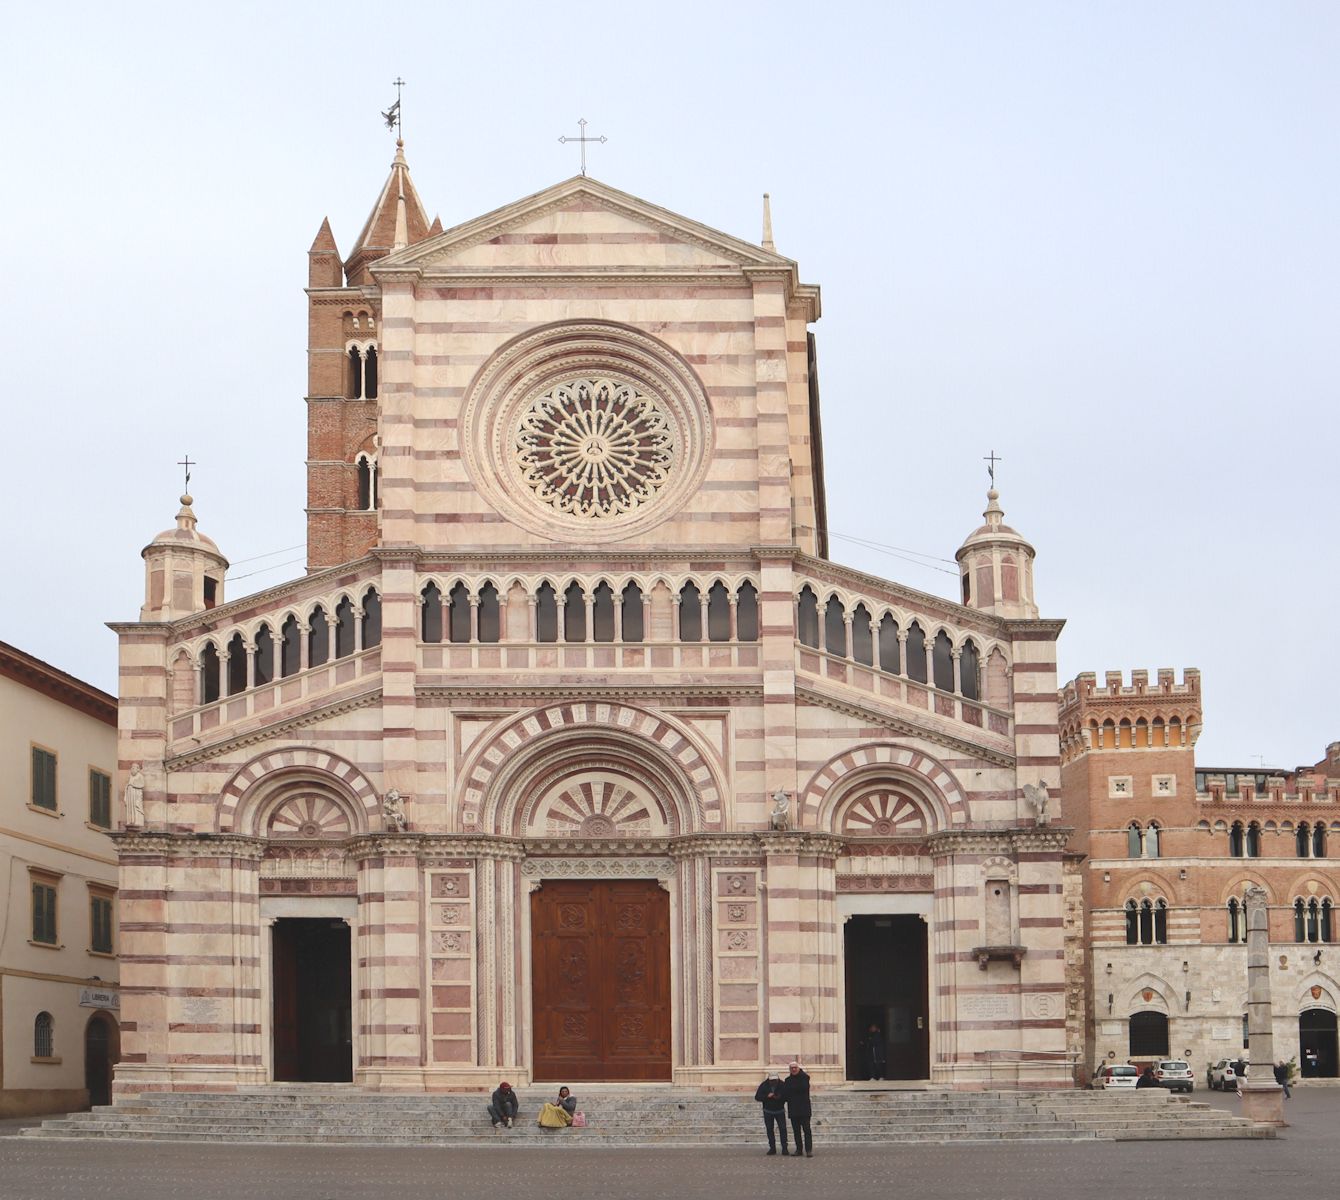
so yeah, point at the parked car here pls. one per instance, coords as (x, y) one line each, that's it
(1175, 1075)
(1115, 1075)
(1222, 1077)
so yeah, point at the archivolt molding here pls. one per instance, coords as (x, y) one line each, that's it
(1158, 1001)
(278, 772)
(1325, 1000)
(883, 763)
(486, 796)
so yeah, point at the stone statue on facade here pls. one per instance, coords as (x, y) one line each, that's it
(780, 816)
(393, 812)
(1039, 801)
(133, 800)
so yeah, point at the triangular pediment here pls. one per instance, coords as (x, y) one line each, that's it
(581, 225)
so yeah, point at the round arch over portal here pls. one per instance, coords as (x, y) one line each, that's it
(929, 781)
(249, 793)
(517, 751)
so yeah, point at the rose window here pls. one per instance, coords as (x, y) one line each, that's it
(595, 447)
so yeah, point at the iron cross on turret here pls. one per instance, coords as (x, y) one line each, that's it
(583, 139)
(991, 460)
(187, 464)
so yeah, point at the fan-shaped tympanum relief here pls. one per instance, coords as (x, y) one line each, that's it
(597, 806)
(883, 813)
(308, 816)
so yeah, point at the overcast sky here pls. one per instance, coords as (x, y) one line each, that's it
(1100, 239)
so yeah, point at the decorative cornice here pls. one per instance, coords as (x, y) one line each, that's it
(1018, 625)
(178, 762)
(613, 692)
(138, 843)
(908, 728)
(1008, 841)
(633, 866)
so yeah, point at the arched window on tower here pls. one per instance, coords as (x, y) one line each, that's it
(718, 613)
(546, 613)
(318, 638)
(888, 644)
(1134, 841)
(1236, 841)
(1299, 921)
(370, 373)
(746, 613)
(835, 627)
(344, 628)
(574, 613)
(969, 668)
(862, 640)
(353, 381)
(458, 613)
(1132, 923)
(1236, 930)
(1326, 921)
(237, 665)
(1152, 841)
(372, 619)
(1253, 840)
(490, 613)
(265, 656)
(602, 613)
(290, 647)
(632, 613)
(1313, 920)
(916, 653)
(807, 617)
(430, 613)
(367, 483)
(942, 653)
(209, 674)
(1319, 840)
(690, 613)
(1160, 922)
(1302, 840)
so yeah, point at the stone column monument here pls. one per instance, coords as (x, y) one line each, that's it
(1262, 1097)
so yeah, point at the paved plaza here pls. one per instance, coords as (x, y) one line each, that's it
(1302, 1161)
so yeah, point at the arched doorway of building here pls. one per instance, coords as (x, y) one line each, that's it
(313, 1000)
(886, 996)
(1148, 1035)
(102, 1051)
(1317, 1050)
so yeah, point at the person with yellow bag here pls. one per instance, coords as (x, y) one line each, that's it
(557, 1114)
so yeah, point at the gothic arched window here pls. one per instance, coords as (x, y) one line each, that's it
(888, 644)
(602, 613)
(1253, 840)
(835, 627)
(807, 618)
(1236, 931)
(1299, 921)
(690, 613)
(546, 613)
(916, 653)
(430, 619)
(372, 619)
(1236, 843)
(746, 613)
(490, 613)
(264, 661)
(458, 613)
(1132, 923)
(574, 613)
(1134, 841)
(44, 1041)
(370, 374)
(968, 668)
(1319, 840)
(290, 647)
(718, 613)
(318, 638)
(632, 613)
(1152, 841)
(209, 674)
(943, 654)
(237, 665)
(1302, 840)
(344, 628)
(862, 639)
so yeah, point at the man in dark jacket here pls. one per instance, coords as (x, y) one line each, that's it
(504, 1105)
(1147, 1079)
(770, 1095)
(796, 1091)
(1282, 1077)
(876, 1060)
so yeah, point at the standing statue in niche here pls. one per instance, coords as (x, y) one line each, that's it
(780, 816)
(133, 801)
(1039, 801)
(393, 812)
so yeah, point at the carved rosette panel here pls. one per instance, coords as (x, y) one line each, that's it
(595, 447)
(597, 807)
(737, 937)
(451, 949)
(883, 813)
(308, 816)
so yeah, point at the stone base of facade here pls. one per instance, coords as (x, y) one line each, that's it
(37, 1102)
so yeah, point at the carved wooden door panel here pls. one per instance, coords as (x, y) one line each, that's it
(600, 970)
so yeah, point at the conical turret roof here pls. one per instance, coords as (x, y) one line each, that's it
(398, 219)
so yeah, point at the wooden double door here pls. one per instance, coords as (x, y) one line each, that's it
(600, 980)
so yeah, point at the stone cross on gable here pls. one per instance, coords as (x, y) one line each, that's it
(582, 139)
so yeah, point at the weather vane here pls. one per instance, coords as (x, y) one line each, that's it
(392, 115)
(188, 464)
(582, 139)
(991, 460)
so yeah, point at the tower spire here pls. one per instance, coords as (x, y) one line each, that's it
(768, 243)
(398, 219)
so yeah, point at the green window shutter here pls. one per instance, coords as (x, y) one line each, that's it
(44, 779)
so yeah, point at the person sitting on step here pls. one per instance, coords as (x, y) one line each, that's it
(504, 1105)
(557, 1114)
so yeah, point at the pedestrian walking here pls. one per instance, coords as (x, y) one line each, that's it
(1282, 1078)
(796, 1090)
(876, 1056)
(771, 1096)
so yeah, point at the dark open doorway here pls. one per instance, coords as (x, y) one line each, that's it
(313, 1037)
(886, 988)
(102, 1051)
(1317, 1057)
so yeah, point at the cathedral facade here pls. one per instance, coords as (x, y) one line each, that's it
(573, 756)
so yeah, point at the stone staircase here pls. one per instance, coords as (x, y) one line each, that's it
(640, 1116)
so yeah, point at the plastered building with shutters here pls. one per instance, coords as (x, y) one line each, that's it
(573, 755)
(1171, 847)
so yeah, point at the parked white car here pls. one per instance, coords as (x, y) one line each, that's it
(1222, 1077)
(1115, 1075)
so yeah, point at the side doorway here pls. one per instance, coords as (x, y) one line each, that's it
(313, 1000)
(102, 1051)
(887, 1000)
(1317, 1049)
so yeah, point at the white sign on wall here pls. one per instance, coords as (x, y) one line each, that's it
(99, 998)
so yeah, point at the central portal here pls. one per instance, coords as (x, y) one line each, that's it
(600, 980)
(312, 1001)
